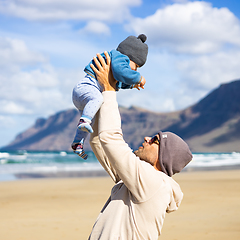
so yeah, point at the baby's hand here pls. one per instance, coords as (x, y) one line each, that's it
(137, 86)
(142, 83)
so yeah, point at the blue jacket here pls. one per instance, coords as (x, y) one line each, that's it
(121, 70)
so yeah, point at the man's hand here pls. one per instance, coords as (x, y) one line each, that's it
(104, 73)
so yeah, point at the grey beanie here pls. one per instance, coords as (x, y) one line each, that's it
(135, 49)
(174, 153)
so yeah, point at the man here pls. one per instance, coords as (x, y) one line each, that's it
(144, 190)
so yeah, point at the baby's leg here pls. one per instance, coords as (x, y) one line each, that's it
(78, 142)
(88, 100)
(94, 101)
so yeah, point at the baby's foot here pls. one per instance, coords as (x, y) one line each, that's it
(78, 149)
(85, 126)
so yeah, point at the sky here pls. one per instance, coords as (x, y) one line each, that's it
(194, 46)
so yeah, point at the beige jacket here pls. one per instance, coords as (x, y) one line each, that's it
(142, 195)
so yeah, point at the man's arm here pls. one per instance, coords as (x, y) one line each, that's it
(122, 71)
(138, 176)
(104, 74)
(99, 152)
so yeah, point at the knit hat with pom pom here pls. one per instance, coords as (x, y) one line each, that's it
(135, 48)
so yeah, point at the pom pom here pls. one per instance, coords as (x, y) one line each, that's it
(143, 37)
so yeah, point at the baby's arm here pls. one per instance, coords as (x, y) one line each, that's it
(122, 71)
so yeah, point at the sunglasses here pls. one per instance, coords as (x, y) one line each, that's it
(154, 139)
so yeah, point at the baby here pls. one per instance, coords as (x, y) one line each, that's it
(87, 94)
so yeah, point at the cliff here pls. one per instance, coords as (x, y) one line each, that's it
(211, 125)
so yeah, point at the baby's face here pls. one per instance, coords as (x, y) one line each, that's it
(133, 65)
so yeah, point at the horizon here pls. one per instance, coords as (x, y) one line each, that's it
(45, 46)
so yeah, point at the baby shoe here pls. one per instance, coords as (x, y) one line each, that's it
(85, 126)
(78, 149)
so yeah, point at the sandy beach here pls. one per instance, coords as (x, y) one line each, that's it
(63, 209)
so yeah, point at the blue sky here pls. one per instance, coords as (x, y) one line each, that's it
(194, 46)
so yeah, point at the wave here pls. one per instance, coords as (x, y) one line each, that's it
(54, 162)
(215, 159)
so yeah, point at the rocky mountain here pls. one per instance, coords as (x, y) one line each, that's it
(211, 125)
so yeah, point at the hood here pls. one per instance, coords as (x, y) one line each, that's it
(176, 196)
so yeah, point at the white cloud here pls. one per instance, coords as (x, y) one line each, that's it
(193, 48)
(11, 107)
(105, 10)
(30, 92)
(14, 54)
(31, 86)
(191, 28)
(207, 72)
(97, 28)
(28, 83)
(174, 82)
(162, 102)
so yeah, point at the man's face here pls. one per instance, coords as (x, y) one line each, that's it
(148, 152)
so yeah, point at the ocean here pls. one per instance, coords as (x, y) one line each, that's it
(26, 164)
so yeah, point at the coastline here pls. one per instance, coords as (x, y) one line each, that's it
(95, 173)
(66, 208)
(31, 165)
